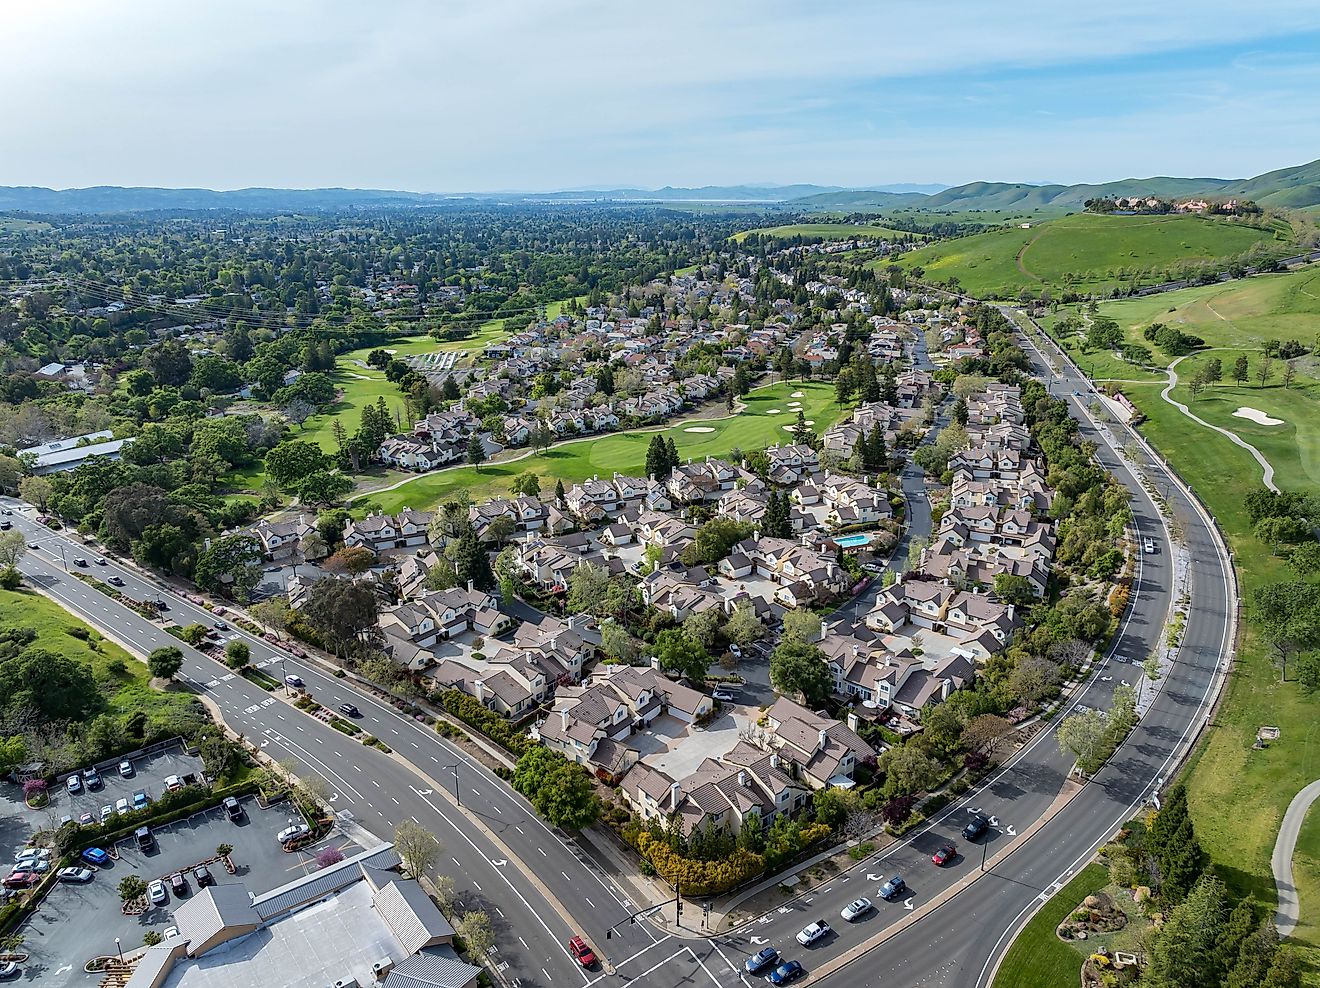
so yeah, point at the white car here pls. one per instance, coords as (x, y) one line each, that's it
(171, 931)
(293, 833)
(8, 969)
(125, 769)
(814, 932)
(173, 782)
(38, 865)
(735, 651)
(724, 696)
(156, 892)
(74, 785)
(75, 874)
(856, 909)
(121, 805)
(1150, 546)
(107, 811)
(32, 854)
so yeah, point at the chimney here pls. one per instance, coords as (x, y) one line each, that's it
(563, 721)
(673, 796)
(822, 738)
(774, 761)
(743, 781)
(480, 688)
(852, 722)
(469, 586)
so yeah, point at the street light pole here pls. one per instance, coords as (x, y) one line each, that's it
(458, 793)
(984, 844)
(120, 949)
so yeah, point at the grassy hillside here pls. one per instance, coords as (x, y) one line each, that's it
(1085, 252)
(1227, 771)
(825, 231)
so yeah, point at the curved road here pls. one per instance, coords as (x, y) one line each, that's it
(1285, 917)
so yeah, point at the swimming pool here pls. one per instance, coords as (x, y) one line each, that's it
(851, 541)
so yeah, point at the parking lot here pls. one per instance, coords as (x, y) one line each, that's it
(77, 922)
(18, 823)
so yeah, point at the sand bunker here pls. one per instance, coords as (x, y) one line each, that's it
(698, 428)
(790, 428)
(795, 404)
(797, 394)
(773, 411)
(1257, 416)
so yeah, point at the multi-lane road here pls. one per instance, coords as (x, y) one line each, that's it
(541, 888)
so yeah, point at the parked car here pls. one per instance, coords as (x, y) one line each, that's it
(944, 854)
(107, 811)
(233, 808)
(141, 800)
(32, 854)
(178, 884)
(125, 769)
(735, 651)
(581, 952)
(893, 888)
(39, 865)
(761, 960)
(294, 681)
(75, 874)
(786, 974)
(92, 778)
(976, 826)
(122, 805)
(293, 833)
(156, 893)
(814, 932)
(95, 856)
(144, 837)
(86, 819)
(9, 969)
(170, 931)
(203, 876)
(173, 782)
(724, 696)
(349, 710)
(74, 785)
(20, 879)
(65, 818)
(115, 581)
(856, 909)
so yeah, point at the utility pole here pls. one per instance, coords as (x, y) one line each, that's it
(458, 795)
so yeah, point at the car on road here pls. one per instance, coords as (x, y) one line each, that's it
(202, 875)
(33, 545)
(178, 884)
(1150, 546)
(156, 893)
(294, 681)
(95, 856)
(74, 785)
(79, 561)
(293, 832)
(976, 826)
(92, 778)
(581, 952)
(161, 605)
(1077, 394)
(100, 561)
(762, 959)
(944, 854)
(125, 769)
(349, 710)
(141, 800)
(724, 696)
(75, 874)
(814, 932)
(786, 974)
(856, 909)
(219, 626)
(114, 581)
(893, 888)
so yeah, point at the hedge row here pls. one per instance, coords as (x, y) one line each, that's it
(471, 711)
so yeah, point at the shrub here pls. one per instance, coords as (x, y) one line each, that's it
(700, 877)
(471, 711)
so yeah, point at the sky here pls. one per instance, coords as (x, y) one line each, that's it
(488, 95)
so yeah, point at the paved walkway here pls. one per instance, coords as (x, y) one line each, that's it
(1266, 467)
(1285, 918)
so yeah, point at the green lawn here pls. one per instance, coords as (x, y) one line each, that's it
(1238, 794)
(1038, 958)
(1083, 251)
(119, 677)
(828, 231)
(1306, 876)
(752, 428)
(1103, 365)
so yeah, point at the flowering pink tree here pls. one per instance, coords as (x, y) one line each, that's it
(329, 856)
(34, 792)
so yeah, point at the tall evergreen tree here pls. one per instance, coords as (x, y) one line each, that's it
(471, 562)
(877, 448)
(673, 460)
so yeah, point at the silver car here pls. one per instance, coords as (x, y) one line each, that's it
(856, 909)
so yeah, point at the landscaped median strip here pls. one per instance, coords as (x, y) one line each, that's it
(1070, 789)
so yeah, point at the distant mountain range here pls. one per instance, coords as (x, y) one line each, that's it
(1295, 187)
(1287, 187)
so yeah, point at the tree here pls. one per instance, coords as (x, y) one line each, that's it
(417, 847)
(802, 433)
(679, 652)
(290, 461)
(1288, 616)
(36, 491)
(13, 547)
(1015, 590)
(1033, 679)
(329, 856)
(339, 610)
(1183, 954)
(985, 733)
(744, 627)
(704, 627)
(1240, 369)
(1083, 736)
(1289, 373)
(237, 654)
(273, 613)
(1214, 371)
(471, 564)
(587, 586)
(476, 451)
(352, 559)
(802, 625)
(714, 540)
(526, 483)
(132, 888)
(943, 728)
(617, 643)
(798, 668)
(166, 662)
(908, 770)
(476, 930)
(298, 411)
(322, 487)
(1305, 559)
(230, 565)
(1264, 370)
(560, 790)
(445, 894)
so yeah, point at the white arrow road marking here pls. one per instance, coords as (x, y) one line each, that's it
(66, 967)
(500, 863)
(425, 792)
(1010, 831)
(908, 905)
(994, 821)
(759, 941)
(784, 910)
(874, 878)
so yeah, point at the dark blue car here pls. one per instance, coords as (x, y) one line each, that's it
(786, 973)
(759, 962)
